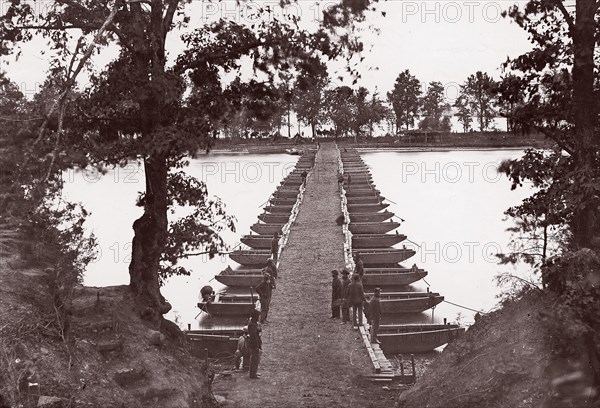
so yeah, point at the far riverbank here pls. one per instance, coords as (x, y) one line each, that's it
(420, 142)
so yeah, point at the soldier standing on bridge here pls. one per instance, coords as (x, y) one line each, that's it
(356, 296)
(255, 343)
(336, 294)
(271, 268)
(345, 302)
(265, 291)
(275, 246)
(359, 268)
(242, 354)
(375, 311)
(349, 180)
(304, 175)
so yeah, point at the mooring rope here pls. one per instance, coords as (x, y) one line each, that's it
(413, 242)
(464, 307)
(455, 304)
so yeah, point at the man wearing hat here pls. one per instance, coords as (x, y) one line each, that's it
(254, 343)
(242, 354)
(376, 312)
(271, 269)
(275, 246)
(336, 295)
(264, 290)
(356, 297)
(359, 268)
(345, 303)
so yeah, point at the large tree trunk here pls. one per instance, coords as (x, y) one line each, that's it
(150, 237)
(150, 230)
(585, 115)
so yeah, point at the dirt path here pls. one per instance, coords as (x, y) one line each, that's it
(309, 359)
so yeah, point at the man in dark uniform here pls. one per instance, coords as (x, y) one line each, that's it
(272, 270)
(206, 293)
(359, 267)
(264, 290)
(336, 294)
(254, 343)
(376, 311)
(242, 354)
(275, 246)
(356, 297)
(345, 303)
(304, 175)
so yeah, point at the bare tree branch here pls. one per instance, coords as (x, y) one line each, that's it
(60, 102)
(568, 17)
(554, 135)
(168, 19)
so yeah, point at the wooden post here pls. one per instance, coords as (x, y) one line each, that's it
(414, 370)
(402, 369)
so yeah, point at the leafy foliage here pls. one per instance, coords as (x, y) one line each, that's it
(374, 113)
(55, 238)
(555, 91)
(433, 106)
(199, 229)
(138, 108)
(405, 99)
(574, 321)
(352, 110)
(477, 92)
(464, 113)
(339, 110)
(309, 95)
(511, 98)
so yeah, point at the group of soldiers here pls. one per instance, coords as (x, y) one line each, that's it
(349, 293)
(346, 293)
(250, 343)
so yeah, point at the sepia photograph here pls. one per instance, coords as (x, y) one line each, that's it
(299, 203)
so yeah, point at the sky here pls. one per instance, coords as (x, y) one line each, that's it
(442, 41)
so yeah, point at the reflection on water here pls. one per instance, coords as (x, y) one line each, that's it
(451, 203)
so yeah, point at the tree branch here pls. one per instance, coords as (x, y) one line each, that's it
(547, 132)
(568, 17)
(533, 285)
(56, 27)
(61, 100)
(168, 19)
(181, 68)
(7, 119)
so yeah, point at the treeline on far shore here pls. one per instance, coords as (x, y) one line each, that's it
(404, 140)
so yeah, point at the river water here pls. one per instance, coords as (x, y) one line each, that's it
(452, 203)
